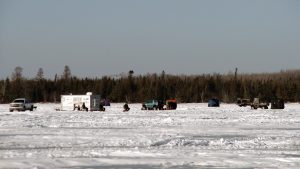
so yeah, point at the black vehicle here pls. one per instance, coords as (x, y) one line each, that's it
(214, 103)
(277, 104)
(243, 102)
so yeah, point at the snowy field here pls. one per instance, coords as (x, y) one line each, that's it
(193, 136)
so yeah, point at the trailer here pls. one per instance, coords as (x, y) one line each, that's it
(80, 102)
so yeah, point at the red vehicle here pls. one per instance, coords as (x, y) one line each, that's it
(171, 104)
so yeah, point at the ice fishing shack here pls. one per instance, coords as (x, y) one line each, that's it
(76, 102)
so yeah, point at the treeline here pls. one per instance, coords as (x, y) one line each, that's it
(138, 88)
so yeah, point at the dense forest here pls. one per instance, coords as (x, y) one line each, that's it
(138, 88)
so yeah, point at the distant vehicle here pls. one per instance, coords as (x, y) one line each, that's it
(277, 104)
(21, 104)
(243, 102)
(152, 105)
(254, 105)
(171, 104)
(257, 104)
(214, 103)
(105, 102)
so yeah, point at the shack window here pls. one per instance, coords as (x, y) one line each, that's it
(77, 99)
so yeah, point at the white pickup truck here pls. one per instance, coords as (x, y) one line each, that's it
(21, 104)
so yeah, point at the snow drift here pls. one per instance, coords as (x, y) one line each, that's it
(193, 136)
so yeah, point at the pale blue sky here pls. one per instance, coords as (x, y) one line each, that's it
(107, 37)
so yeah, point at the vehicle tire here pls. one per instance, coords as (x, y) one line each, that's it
(31, 108)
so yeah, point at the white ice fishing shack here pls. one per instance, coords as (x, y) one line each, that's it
(69, 102)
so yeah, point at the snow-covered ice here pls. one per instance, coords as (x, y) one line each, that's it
(193, 136)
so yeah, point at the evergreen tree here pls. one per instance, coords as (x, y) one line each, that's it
(196, 88)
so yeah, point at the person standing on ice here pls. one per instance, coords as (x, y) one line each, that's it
(126, 107)
(101, 107)
(84, 107)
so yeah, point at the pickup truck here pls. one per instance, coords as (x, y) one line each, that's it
(21, 104)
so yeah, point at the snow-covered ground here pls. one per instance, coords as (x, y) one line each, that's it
(193, 136)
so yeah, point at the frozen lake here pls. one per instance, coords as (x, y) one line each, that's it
(193, 136)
